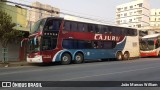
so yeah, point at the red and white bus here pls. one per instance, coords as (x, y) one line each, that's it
(65, 40)
(150, 45)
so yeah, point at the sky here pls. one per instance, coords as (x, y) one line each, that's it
(102, 9)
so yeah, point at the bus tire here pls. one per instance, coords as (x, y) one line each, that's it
(126, 56)
(66, 59)
(119, 56)
(79, 58)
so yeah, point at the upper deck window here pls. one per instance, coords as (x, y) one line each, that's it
(52, 25)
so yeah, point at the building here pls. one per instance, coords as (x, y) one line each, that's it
(134, 14)
(155, 17)
(19, 16)
(36, 14)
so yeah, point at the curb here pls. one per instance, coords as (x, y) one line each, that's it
(14, 64)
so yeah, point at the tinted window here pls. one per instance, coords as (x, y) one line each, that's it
(109, 29)
(80, 27)
(73, 26)
(81, 44)
(96, 29)
(109, 44)
(52, 24)
(68, 44)
(85, 29)
(67, 26)
(56, 25)
(118, 31)
(90, 28)
(49, 43)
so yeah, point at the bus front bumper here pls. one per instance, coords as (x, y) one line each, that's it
(148, 53)
(36, 59)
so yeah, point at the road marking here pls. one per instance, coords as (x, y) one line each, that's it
(105, 74)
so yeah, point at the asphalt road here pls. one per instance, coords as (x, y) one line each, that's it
(144, 69)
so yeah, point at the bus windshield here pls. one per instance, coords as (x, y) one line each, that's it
(34, 44)
(38, 26)
(147, 44)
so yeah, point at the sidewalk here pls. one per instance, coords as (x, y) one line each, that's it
(14, 64)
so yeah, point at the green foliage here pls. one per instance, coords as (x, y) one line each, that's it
(7, 33)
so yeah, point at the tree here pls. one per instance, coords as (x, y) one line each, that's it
(7, 33)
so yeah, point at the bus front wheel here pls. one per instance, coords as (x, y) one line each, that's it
(79, 58)
(66, 59)
(119, 56)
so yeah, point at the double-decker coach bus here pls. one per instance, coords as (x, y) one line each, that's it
(150, 45)
(64, 40)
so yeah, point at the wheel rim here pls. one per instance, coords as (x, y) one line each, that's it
(126, 56)
(119, 57)
(78, 58)
(65, 58)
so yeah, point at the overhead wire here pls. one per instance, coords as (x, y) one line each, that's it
(87, 16)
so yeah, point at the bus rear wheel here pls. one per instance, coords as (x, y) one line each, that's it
(79, 58)
(119, 56)
(126, 56)
(66, 59)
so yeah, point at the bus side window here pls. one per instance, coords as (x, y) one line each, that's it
(90, 28)
(100, 44)
(109, 44)
(81, 44)
(67, 26)
(97, 29)
(88, 44)
(93, 28)
(106, 29)
(110, 29)
(102, 30)
(95, 44)
(119, 31)
(85, 29)
(73, 26)
(125, 31)
(67, 44)
(80, 27)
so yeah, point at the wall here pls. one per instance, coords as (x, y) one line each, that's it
(19, 16)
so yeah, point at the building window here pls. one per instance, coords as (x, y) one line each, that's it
(119, 9)
(139, 18)
(118, 15)
(139, 26)
(118, 22)
(140, 5)
(131, 7)
(125, 8)
(125, 14)
(130, 20)
(130, 13)
(139, 11)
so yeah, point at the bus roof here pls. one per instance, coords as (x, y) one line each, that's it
(84, 20)
(92, 21)
(151, 36)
